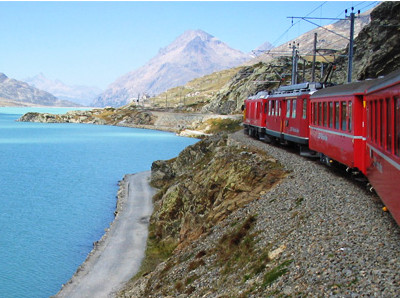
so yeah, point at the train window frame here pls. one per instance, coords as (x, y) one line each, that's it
(319, 113)
(304, 108)
(294, 108)
(278, 108)
(388, 129)
(331, 110)
(258, 109)
(272, 108)
(396, 121)
(375, 121)
(288, 108)
(343, 115)
(325, 114)
(369, 120)
(350, 116)
(381, 121)
(337, 115)
(314, 113)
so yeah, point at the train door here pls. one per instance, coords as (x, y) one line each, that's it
(295, 119)
(273, 117)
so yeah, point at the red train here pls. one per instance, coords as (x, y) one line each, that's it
(357, 125)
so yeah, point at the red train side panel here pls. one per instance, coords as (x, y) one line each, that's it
(383, 140)
(337, 124)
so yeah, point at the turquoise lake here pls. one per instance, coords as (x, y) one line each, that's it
(58, 191)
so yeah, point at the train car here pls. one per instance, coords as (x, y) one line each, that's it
(382, 102)
(254, 114)
(281, 116)
(337, 124)
(288, 113)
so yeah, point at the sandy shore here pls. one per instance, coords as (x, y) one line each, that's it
(117, 256)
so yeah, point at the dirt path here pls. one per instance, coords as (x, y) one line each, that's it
(118, 255)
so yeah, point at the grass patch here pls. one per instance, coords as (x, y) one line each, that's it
(235, 249)
(157, 251)
(275, 273)
(223, 125)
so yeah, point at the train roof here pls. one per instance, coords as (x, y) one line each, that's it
(390, 79)
(355, 88)
(297, 88)
(288, 90)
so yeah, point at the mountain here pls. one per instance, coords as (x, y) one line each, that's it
(193, 54)
(82, 95)
(18, 93)
(266, 46)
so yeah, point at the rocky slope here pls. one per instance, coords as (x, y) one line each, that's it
(377, 50)
(193, 54)
(232, 221)
(13, 92)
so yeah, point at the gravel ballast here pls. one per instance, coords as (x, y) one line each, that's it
(316, 233)
(334, 230)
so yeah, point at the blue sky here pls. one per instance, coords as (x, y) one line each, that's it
(93, 43)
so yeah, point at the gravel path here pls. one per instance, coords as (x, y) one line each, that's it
(334, 230)
(117, 256)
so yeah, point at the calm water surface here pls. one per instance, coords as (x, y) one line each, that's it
(58, 193)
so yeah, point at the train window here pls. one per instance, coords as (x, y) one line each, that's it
(271, 108)
(376, 121)
(344, 115)
(314, 113)
(331, 114)
(369, 120)
(304, 108)
(288, 108)
(320, 113)
(266, 107)
(388, 125)
(278, 108)
(294, 106)
(337, 115)
(381, 121)
(325, 114)
(397, 125)
(350, 112)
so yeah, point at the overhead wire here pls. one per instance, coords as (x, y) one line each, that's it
(293, 24)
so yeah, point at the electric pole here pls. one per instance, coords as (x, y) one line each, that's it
(350, 62)
(294, 62)
(314, 58)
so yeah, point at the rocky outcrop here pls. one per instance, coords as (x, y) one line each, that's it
(377, 47)
(205, 183)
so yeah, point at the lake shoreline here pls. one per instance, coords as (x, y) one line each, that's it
(112, 260)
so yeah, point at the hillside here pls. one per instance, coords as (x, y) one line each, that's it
(193, 54)
(235, 217)
(18, 93)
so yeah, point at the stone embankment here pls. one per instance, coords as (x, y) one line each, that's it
(253, 220)
(186, 124)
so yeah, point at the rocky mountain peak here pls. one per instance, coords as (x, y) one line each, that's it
(3, 77)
